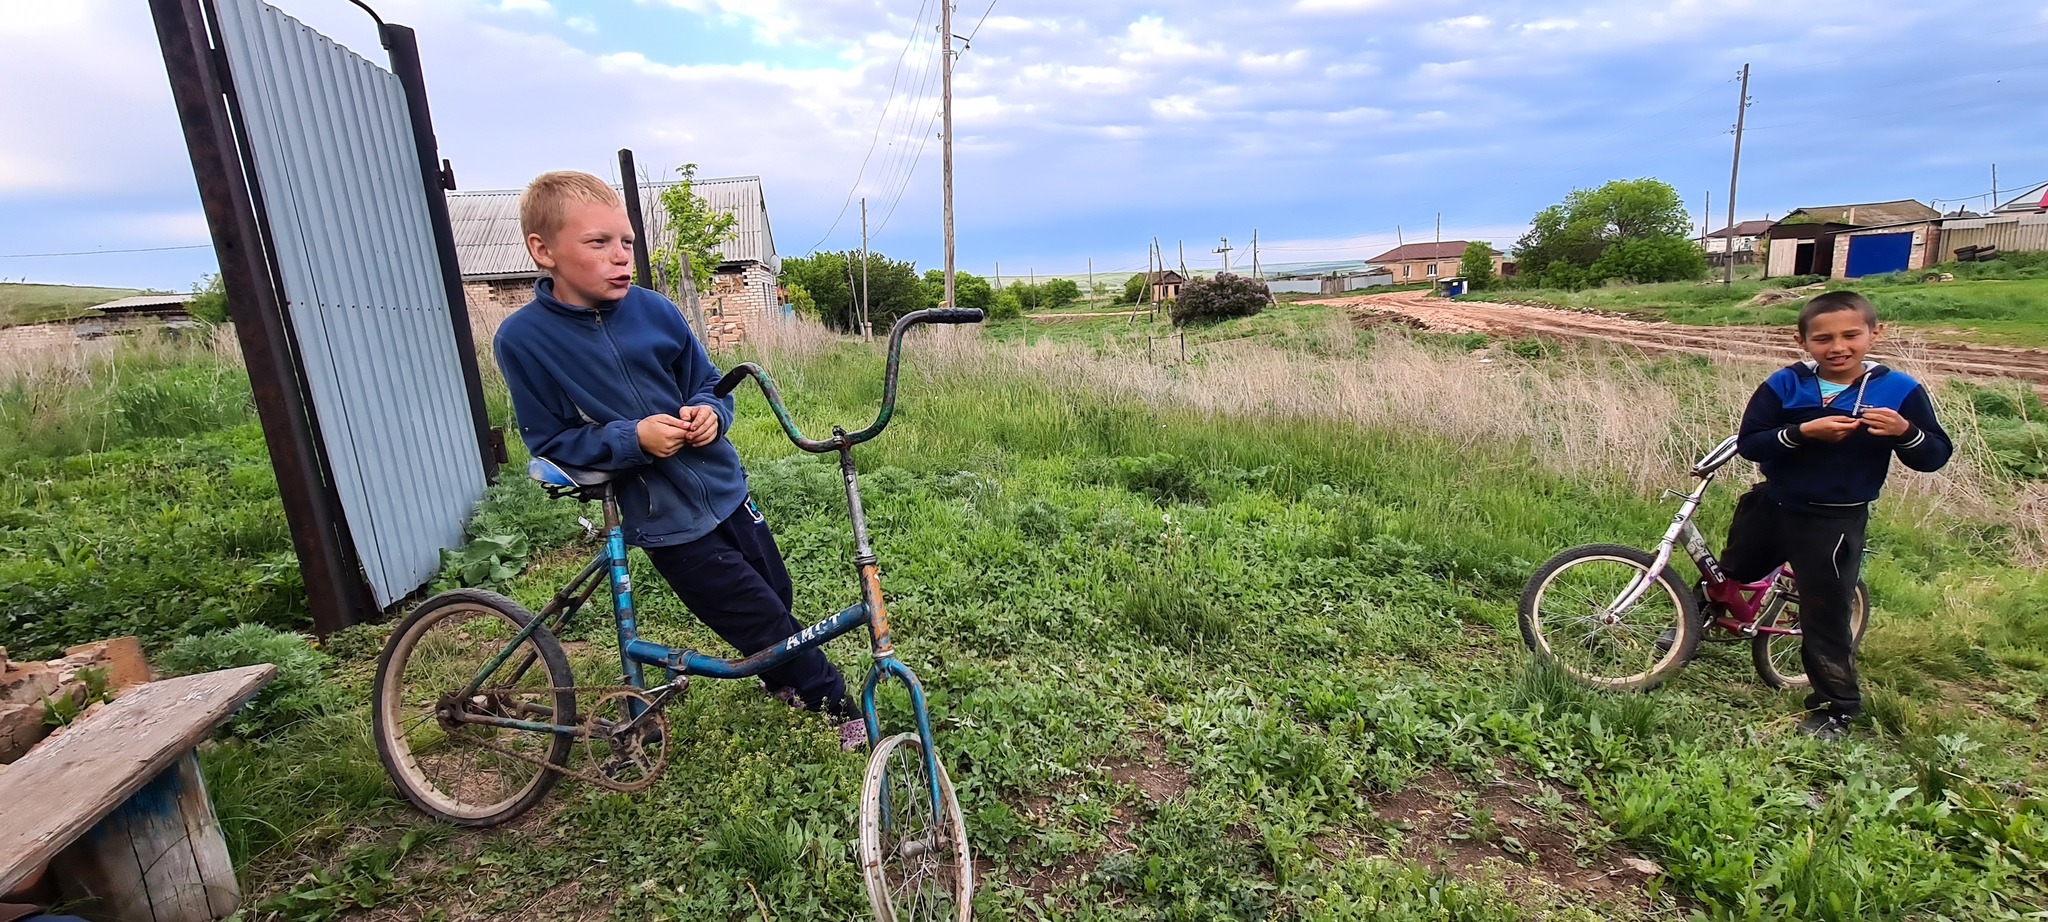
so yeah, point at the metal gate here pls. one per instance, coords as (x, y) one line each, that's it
(1876, 254)
(317, 171)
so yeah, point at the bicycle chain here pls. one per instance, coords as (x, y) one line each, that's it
(600, 691)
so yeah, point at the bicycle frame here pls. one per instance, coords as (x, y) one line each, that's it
(637, 654)
(1744, 601)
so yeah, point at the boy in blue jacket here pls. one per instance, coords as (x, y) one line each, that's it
(1824, 431)
(607, 376)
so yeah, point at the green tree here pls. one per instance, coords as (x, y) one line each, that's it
(1477, 265)
(1134, 290)
(690, 227)
(800, 300)
(1566, 242)
(969, 290)
(1005, 306)
(209, 299)
(833, 280)
(1059, 292)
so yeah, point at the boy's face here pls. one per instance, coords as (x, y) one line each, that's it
(1838, 341)
(590, 257)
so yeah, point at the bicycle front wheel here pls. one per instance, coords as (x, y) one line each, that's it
(1568, 618)
(466, 773)
(1777, 657)
(913, 852)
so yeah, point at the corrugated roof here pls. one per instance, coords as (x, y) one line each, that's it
(488, 243)
(1868, 214)
(1745, 229)
(1449, 249)
(145, 303)
(2034, 199)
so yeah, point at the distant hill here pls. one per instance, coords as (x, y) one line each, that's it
(31, 303)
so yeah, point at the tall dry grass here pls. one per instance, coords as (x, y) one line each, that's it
(1588, 410)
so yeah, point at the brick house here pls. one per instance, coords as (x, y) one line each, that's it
(1427, 262)
(1806, 241)
(498, 275)
(1166, 285)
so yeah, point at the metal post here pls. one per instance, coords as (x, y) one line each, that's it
(1734, 169)
(946, 88)
(864, 261)
(629, 178)
(438, 177)
(335, 593)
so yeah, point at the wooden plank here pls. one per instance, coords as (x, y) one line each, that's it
(63, 787)
(209, 845)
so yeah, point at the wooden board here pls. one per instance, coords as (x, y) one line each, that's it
(158, 857)
(67, 784)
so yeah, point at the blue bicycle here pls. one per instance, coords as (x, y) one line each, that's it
(478, 712)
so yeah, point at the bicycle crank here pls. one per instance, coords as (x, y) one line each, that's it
(625, 734)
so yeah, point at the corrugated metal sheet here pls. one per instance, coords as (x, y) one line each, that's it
(489, 245)
(339, 177)
(2009, 233)
(1297, 286)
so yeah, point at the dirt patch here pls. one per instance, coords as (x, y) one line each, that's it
(1520, 833)
(1154, 776)
(1920, 356)
(1150, 771)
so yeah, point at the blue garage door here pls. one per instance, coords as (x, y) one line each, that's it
(1875, 254)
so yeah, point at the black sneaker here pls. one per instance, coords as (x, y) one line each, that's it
(1826, 726)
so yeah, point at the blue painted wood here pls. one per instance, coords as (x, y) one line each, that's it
(1876, 254)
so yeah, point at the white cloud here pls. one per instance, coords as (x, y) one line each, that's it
(1465, 22)
(1178, 108)
(161, 228)
(1273, 63)
(526, 6)
(582, 24)
(1339, 6)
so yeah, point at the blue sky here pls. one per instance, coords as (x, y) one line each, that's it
(1087, 128)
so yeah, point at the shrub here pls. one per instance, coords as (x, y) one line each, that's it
(299, 691)
(1220, 298)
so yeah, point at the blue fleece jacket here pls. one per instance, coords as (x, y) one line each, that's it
(582, 380)
(1809, 474)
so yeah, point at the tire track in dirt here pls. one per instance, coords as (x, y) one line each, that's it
(1735, 342)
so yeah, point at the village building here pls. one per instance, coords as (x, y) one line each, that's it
(498, 274)
(1427, 262)
(1741, 240)
(1850, 241)
(1166, 285)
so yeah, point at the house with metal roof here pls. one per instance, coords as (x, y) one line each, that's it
(1427, 262)
(1739, 240)
(2032, 201)
(1806, 241)
(498, 274)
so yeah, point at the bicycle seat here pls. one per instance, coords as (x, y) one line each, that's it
(561, 475)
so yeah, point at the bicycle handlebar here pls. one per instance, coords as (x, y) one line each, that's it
(841, 438)
(1722, 454)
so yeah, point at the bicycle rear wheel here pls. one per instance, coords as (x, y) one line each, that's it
(1777, 657)
(466, 773)
(1566, 618)
(913, 852)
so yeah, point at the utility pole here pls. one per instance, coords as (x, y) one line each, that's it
(1225, 250)
(1994, 190)
(1734, 170)
(1091, 278)
(1439, 228)
(946, 88)
(1183, 245)
(864, 266)
(1255, 255)
(999, 275)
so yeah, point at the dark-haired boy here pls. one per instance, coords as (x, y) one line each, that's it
(1824, 431)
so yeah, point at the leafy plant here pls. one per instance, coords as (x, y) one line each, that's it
(692, 230)
(362, 881)
(62, 710)
(486, 561)
(300, 690)
(1220, 298)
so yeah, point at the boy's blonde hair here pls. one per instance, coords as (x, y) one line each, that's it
(544, 206)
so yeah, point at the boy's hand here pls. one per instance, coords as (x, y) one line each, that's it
(661, 435)
(1886, 422)
(700, 425)
(1830, 428)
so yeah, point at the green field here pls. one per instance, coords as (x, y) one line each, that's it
(1230, 639)
(2002, 302)
(32, 303)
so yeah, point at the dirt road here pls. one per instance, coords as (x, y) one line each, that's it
(1753, 343)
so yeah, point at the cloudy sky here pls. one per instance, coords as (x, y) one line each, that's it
(1086, 128)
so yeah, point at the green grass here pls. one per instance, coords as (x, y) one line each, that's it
(1998, 302)
(33, 303)
(1293, 619)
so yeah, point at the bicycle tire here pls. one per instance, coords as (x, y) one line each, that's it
(949, 897)
(1771, 652)
(402, 755)
(1542, 632)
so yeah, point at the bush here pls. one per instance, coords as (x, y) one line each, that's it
(1220, 298)
(1059, 292)
(1134, 290)
(299, 692)
(1005, 306)
(1651, 259)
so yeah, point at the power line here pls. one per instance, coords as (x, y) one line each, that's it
(915, 28)
(977, 24)
(194, 246)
